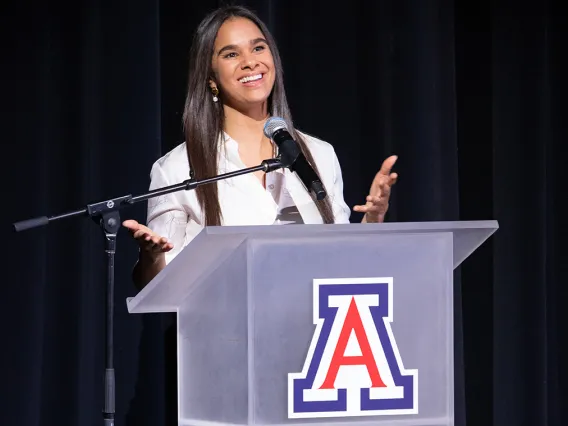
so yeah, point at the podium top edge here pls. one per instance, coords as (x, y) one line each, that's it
(389, 227)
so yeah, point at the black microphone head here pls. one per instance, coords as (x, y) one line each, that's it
(290, 155)
(272, 125)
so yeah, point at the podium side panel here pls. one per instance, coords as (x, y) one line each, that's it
(212, 347)
(406, 281)
(184, 273)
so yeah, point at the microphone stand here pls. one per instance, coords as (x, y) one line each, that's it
(107, 214)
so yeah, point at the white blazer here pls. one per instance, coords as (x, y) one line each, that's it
(243, 199)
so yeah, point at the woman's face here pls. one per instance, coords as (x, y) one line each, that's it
(242, 64)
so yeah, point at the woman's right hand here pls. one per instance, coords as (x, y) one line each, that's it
(150, 243)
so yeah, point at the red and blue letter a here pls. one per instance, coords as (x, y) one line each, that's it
(353, 367)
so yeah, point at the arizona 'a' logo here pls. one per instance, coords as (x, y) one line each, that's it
(353, 366)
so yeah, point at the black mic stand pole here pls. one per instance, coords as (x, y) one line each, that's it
(107, 215)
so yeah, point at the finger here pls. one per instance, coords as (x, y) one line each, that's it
(156, 248)
(140, 234)
(367, 209)
(388, 165)
(147, 246)
(385, 191)
(156, 239)
(140, 231)
(131, 224)
(151, 246)
(375, 200)
(162, 247)
(393, 178)
(147, 243)
(377, 188)
(384, 188)
(162, 241)
(381, 189)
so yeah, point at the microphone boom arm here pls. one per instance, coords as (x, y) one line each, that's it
(107, 214)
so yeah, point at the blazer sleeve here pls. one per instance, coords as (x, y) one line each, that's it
(167, 215)
(341, 210)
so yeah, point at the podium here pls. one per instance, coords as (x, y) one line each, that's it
(348, 324)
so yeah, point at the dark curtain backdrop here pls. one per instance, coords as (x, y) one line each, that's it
(469, 95)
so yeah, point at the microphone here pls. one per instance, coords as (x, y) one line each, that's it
(291, 156)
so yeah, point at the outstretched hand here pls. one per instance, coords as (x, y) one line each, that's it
(149, 241)
(377, 203)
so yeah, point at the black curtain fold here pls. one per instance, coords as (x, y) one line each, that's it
(469, 96)
(82, 115)
(527, 133)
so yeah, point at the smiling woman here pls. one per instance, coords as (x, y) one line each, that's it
(235, 84)
(243, 66)
(243, 72)
(248, 64)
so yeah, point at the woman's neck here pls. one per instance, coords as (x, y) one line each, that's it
(246, 128)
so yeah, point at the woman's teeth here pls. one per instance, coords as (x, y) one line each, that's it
(251, 78)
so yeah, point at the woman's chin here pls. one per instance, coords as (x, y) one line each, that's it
(256, 97)
(249, 103)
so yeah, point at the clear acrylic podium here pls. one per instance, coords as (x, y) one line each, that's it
(278, 325)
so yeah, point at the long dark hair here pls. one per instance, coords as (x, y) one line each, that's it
(203, 119)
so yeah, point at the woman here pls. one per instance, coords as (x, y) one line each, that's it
(235, 85)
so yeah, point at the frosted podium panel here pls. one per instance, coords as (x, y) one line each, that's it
(336, 325)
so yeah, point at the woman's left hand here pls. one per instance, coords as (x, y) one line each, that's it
(378, 199)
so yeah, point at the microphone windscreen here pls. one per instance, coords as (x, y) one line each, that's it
(272, 125)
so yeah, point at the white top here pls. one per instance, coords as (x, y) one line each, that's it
(286, 212)
(243, 199)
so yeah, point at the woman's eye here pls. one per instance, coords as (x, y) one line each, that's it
(230, 55)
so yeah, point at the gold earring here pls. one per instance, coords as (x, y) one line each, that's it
(215, 92)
